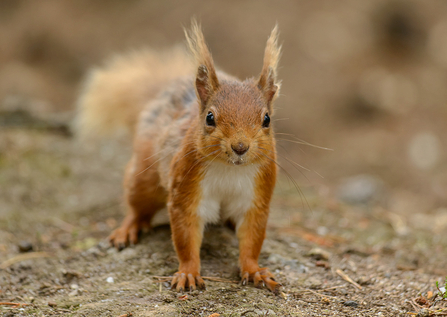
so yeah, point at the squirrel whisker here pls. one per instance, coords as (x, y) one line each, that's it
(195, 150)
(199, 161)
(298, 188)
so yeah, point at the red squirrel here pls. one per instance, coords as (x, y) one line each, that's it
(203, 147)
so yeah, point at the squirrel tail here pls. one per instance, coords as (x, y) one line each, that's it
(113, 95)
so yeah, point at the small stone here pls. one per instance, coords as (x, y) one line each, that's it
(74, 286)
(25, 246)
(312, 282)
(103, 245)
(94, 251)
(276, 258)
(128, 254)
(322, 231)
(423, 313)
(52, 304)
(351, 303)
(319, 254)
(324, 264)
(110, 280)
(73, 293)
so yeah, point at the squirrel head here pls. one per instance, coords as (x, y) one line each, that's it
(234, 116)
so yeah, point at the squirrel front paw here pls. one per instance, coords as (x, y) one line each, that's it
(182, 280)
(261, 277)
(126, 234)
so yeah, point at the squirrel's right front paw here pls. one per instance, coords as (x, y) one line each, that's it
(182, 280)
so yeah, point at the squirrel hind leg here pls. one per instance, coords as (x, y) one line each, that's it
(144, 197)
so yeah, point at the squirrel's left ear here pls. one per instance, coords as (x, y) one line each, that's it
(268, 83)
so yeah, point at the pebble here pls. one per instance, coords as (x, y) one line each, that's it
(127, 254)
(25, 246)
(110, 280)
(52, 304)
(276, 258)
(73, 293)
(287, 263)
(351, 303)
(423, 313)
(319, 254)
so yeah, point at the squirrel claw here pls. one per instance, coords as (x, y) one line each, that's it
(260, 278)
(125, 235)
(181, 280)
(245, 279)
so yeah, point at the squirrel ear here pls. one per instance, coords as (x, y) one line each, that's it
(205, 85)
(269, 87)
(268, 83)
(206, 80)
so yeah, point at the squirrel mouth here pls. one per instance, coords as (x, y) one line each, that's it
(238, 161)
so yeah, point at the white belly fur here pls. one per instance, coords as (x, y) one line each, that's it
(227, 192)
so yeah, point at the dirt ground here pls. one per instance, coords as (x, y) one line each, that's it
(333, 259)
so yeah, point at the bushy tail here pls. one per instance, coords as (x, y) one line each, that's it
(114, 95)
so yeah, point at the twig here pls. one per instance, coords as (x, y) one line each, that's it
(414, 302)
(414, 307)
(63, 225)
(329, 288)
(347, 278)
(24, 257)
(14, 305)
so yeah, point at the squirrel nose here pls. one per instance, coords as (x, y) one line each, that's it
(239, 148)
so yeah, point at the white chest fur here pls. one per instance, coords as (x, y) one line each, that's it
(227, 192)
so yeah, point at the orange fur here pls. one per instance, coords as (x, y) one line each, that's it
(188, 139)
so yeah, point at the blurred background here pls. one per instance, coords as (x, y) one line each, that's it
(366, 79)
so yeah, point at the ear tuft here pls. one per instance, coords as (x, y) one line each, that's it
(268, 83)
(206, 80)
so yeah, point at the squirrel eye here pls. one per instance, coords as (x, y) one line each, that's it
(266, 122)
(210, 119)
